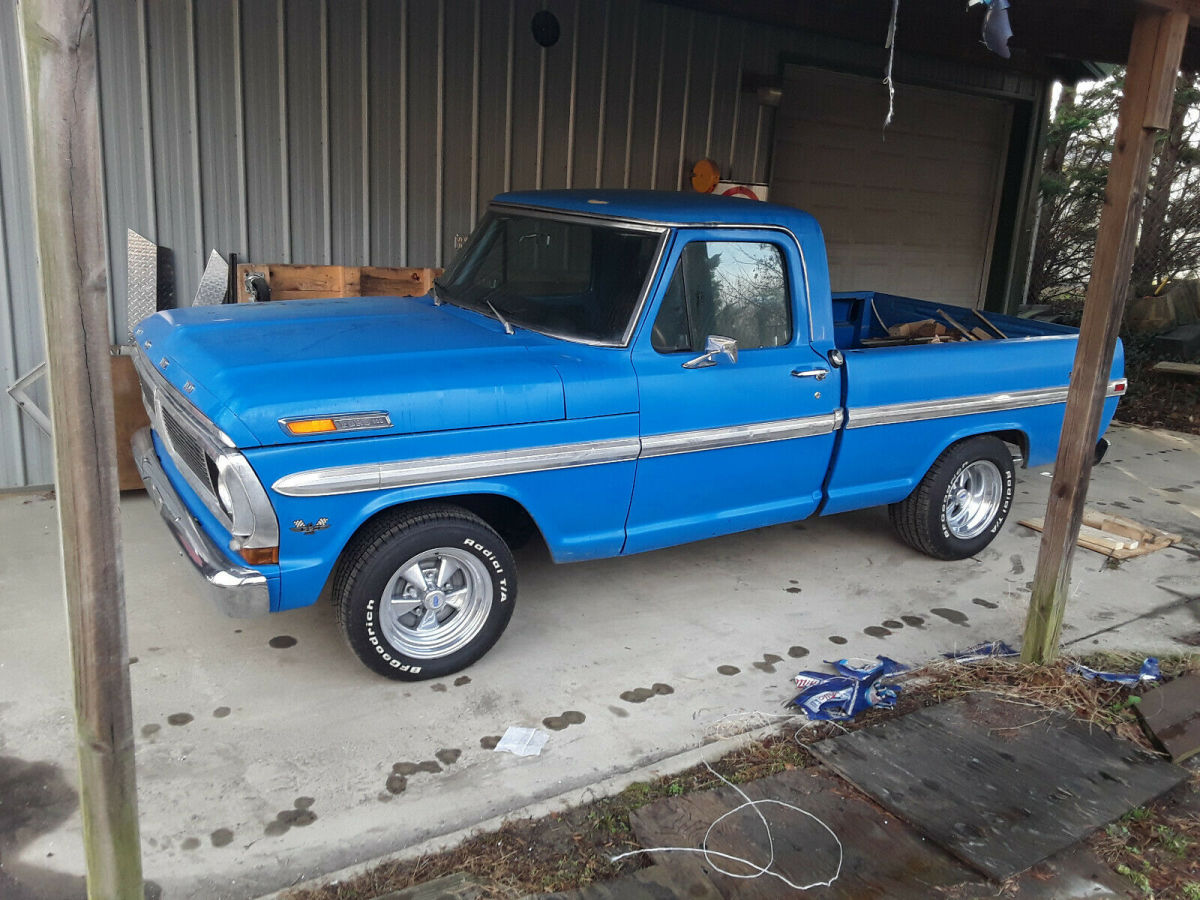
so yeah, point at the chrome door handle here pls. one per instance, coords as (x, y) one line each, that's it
(818, 374)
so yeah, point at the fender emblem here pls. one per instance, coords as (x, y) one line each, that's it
(303, 527)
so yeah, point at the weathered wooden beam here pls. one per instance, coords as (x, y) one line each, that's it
(58, 48)
(1190, 7)
(1154, 54)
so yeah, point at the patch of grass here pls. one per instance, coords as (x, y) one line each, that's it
(1190, 890)
(1140, 881)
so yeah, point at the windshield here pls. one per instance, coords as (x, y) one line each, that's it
(568, 279)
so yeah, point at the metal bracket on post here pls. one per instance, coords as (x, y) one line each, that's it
(18, 391)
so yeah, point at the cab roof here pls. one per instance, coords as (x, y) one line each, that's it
(667, 208)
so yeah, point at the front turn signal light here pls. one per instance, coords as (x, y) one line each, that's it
(311, 426)
(260, 556)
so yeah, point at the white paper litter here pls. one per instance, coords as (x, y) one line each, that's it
(522, 741)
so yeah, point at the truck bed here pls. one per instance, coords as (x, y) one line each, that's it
(861, 318)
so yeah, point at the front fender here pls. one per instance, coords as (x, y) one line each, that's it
(579, 510)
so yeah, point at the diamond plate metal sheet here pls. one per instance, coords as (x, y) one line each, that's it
(214, 283)
(142, 272)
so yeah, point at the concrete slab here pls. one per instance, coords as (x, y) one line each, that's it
(260, 765)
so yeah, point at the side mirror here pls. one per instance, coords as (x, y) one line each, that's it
(714, 346)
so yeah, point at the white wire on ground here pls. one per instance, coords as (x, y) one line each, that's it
(759, 870)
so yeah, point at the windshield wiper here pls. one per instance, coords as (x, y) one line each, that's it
(508, 329)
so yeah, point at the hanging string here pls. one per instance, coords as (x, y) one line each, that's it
(758, 870)
(890, 46)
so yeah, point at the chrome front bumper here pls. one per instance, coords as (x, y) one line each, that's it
(240, 592)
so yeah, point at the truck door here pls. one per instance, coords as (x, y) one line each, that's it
(726, 445)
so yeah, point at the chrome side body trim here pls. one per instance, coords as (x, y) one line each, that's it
(492, 464)
(439, 469)
(865, 417)
(239, 592)
(738, 435)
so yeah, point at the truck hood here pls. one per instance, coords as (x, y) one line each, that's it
(430, 368)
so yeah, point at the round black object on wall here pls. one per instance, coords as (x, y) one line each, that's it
(544, 26)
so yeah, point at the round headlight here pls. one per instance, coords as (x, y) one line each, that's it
(223, 495)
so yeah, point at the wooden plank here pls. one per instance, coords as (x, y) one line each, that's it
(62, 117)
(1171, 714)
(679, 877)
(990, 324)
(1113, 536)
(1191, 370)
(1190, 8)
(882, 854)
(957, 326)
(1000, 785)
(129, 415)
(1154, 56)
(455, 886)
(981, 335)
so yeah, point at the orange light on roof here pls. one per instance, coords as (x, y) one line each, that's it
(311, 426)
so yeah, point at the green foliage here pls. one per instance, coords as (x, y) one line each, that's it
(1072, 186)
(1140, 881)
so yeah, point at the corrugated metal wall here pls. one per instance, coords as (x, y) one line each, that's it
(375, 131)
(26, 456)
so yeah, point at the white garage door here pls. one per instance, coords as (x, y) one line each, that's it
(908, 211)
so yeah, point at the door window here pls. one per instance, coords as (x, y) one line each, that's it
(736, 289)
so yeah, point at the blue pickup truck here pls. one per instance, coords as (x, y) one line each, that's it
(616, 371)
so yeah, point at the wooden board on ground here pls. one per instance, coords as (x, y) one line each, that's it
(1000, 785)
(456, 886)
(129, 416)
(1177, 368)
(300, 282)
(883, 856)
(683, 879)
(1171, 714)
(1113, 535)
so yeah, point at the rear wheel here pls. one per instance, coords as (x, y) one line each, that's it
(425, 592)
(961, 503)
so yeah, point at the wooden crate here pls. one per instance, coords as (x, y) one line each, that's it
(297, 282)
(130, 415)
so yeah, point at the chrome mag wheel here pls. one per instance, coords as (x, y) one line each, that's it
(973, 499)
(436, 603)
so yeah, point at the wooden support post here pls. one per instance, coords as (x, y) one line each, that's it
(1154, 55)
(58, 48)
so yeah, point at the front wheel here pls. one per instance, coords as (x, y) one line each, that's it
(425, 592)
(962, 501)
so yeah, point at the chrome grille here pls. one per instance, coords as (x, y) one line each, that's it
(186, 449)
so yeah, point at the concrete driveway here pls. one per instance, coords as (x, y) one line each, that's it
(267, 754)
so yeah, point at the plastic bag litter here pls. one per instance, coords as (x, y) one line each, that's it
(522, 741)
(856, 687)
(1148, 672)
(985, 650)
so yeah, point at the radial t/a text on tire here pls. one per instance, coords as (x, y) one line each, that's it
(961, 503)
(424, 592)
